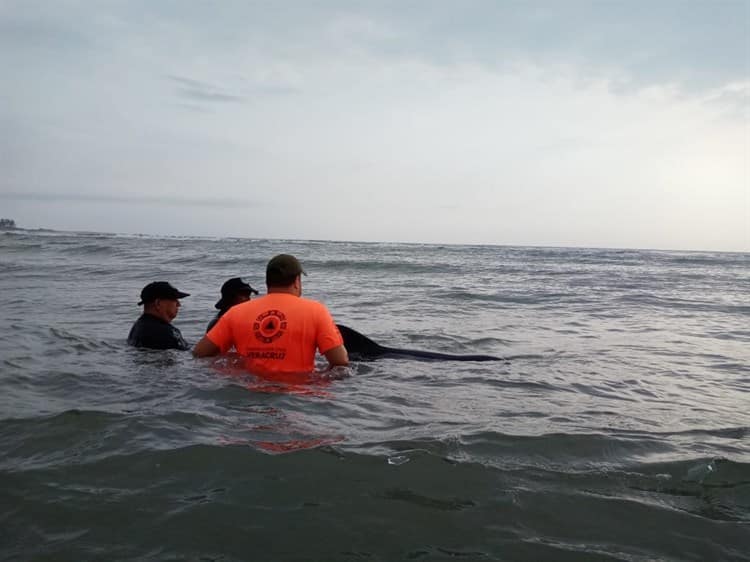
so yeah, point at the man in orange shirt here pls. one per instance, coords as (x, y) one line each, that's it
(279, 332)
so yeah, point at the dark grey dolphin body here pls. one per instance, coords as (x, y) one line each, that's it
(362, 348)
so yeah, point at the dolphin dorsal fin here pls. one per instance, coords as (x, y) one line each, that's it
(359, 344)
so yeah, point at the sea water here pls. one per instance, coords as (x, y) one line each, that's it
(616, 427)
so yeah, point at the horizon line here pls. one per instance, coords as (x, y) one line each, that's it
(373, 242)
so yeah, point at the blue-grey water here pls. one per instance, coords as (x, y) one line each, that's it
(616, 428)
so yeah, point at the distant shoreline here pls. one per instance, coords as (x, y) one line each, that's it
(19, 229)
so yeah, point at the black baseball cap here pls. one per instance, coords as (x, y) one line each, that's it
(160, 290)
(282, 270)
(231, 288)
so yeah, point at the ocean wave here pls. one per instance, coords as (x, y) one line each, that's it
(672, 303)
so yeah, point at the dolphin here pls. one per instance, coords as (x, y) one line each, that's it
(362, 348)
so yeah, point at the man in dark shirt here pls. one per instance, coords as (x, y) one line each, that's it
(234, 291)
(154, 329)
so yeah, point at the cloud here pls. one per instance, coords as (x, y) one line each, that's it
(240, 91)
(733, 97)
(197, 90)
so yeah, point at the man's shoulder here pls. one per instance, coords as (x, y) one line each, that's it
(275, 300)
(146, 321)
(146, 318)
(146, 325)
(150, 331)
(241, 310)
(316, 308)
(313, 303)
(272, 302)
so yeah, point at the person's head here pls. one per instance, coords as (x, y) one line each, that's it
(234, 291)
(162, 300)
(284, 274)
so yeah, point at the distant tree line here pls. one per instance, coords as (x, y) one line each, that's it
(7, 224)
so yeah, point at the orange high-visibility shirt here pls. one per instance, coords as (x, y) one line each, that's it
(277, 333)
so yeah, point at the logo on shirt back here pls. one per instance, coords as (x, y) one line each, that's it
(269, 326)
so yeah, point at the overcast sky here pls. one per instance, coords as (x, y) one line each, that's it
(561, 123)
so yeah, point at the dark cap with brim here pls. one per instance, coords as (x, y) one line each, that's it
(230, 289)
(160, 290)
(282, 270)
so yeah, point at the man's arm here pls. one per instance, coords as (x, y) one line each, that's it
(336, 356)
(205, 348)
